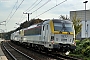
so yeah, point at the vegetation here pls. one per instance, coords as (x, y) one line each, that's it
(77, 24)
(63, 17)
(82, 49)
(29, 23)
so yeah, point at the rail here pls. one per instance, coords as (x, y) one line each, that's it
(28, 57)
(21, 52)
(9, 52)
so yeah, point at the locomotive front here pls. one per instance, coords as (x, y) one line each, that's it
(63, 35)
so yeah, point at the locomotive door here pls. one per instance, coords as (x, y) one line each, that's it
(45, 32)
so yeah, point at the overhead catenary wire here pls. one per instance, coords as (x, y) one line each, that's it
(21, 18)
(15, 11)
(51, 8)
(48, 9)
(29, 8)
(9, 15)
(35, 5)
(12, 10)
(31, 5)
(41, 6)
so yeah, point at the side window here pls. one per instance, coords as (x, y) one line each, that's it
(47, 27)
(43, 28)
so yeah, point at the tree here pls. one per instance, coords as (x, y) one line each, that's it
(77, 24)
(63, 17)
(29, 23)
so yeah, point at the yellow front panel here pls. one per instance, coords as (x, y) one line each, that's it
(52, 26)
(58, 32)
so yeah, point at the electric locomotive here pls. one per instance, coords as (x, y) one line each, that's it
(55, 34)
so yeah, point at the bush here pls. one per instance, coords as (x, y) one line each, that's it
(83, 50)
(77, 42)
(87, 52)
(86, 44)
(78, 49)
(82, 47)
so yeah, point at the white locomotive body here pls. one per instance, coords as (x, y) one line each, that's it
(51, 34)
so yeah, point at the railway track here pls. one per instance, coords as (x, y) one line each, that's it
(30, 52)
(15, 53)
(63, 57)
(43, 55)
(58, 56)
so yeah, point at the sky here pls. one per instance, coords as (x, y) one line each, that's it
(11, 11)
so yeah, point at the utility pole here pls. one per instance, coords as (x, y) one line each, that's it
(28, 14)
(85, 20)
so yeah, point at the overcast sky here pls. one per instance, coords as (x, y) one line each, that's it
(11, 11)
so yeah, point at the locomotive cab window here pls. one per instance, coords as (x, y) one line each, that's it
(58, 26)
(68, 27)
(63, 26)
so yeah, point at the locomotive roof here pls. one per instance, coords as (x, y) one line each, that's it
(57, 21)
(35, 25)
(47, 21)
(61, 21)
